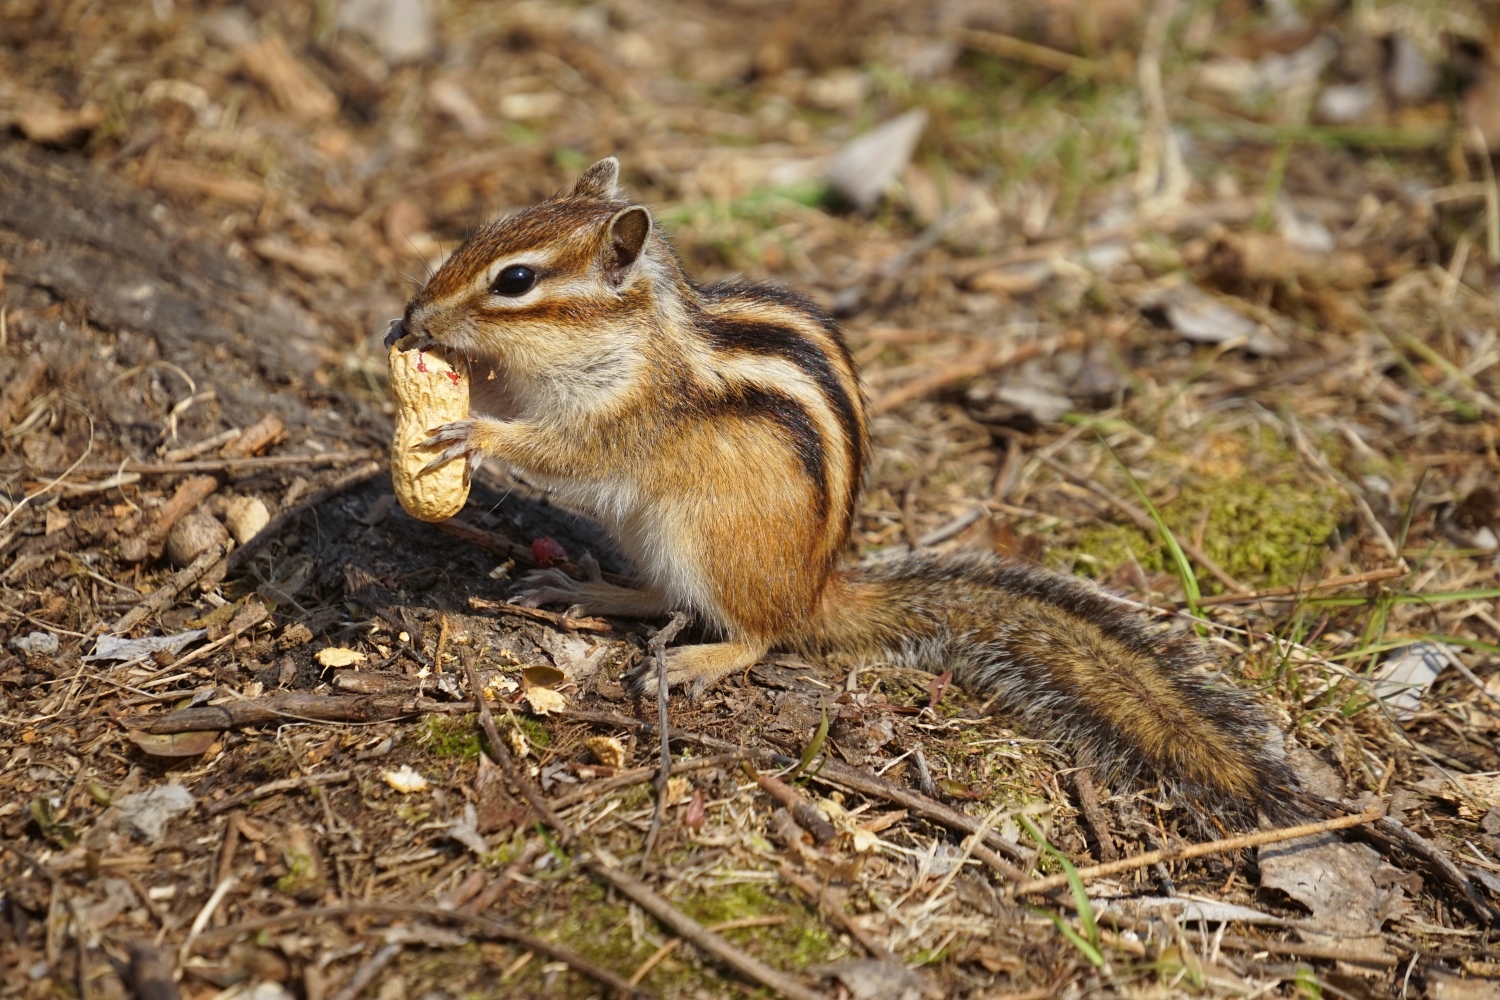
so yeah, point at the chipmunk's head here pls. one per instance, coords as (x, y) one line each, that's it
(567, 290)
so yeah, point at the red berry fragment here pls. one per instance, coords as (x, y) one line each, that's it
(546, 551)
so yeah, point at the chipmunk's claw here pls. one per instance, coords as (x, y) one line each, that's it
(461, 441)
(545, 586)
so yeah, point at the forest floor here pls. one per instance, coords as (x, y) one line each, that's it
(1195, 300)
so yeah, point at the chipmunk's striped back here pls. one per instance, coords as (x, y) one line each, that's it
(781, 356)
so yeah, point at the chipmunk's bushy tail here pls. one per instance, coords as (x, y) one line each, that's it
(1135, 701)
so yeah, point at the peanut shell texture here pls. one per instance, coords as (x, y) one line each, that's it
(430, 391)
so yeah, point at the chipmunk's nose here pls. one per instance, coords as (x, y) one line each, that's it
(394, 332)
(414, 321)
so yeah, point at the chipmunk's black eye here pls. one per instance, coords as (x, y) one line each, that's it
(517, 279)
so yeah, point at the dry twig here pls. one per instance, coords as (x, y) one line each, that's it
(284, 785)
(658, 649)
(502, 755)
(163, 597)
(695, 933)
(541, 615)
(1186, 851)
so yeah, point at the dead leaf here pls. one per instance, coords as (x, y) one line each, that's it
(545, 700)
(1347, 886)
(574, 655)
(174, 744)
(608, 750)
(870, 163)
(405, 780)
(1404, 676)
(1205, 320)
(544, 676)
(340, 656)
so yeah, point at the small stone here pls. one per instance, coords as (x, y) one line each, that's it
(1347, 103)
(192, 536)
(245, 517)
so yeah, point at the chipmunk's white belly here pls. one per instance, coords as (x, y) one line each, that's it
(649, 535)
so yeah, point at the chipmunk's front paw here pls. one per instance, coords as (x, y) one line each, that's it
(468, 439)
(548, 586)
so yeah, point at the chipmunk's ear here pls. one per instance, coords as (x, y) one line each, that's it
(628, 231)
(602, 180)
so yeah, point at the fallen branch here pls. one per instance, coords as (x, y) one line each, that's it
(1338, 952)
(484, 926)
(507, 762)
(986, 357)
(221, 465)
(164, 596)
(658, 649)
(1187, 851)
(295, 705)
(804, 812)
(636, 775)
(826, 903)
(499, 545)
(284, 785)
(1300, 590)
(1392, 830)
(656, 956)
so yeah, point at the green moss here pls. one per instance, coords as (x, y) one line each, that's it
(534, 731)
(796, 944)
(599, 929)
(1262, 531)
(450, 736)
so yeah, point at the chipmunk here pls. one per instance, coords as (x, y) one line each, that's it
(719, 433)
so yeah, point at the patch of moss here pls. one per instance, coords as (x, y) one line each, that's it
(451, 736)
(1263, 532)
(796, 944)
(535, 732)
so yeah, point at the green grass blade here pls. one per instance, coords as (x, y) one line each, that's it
(1192, 593)
(814, 746)
(1075, 884)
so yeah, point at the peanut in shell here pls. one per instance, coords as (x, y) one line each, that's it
(430, 391)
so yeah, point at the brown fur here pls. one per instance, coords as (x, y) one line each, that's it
(719, 432)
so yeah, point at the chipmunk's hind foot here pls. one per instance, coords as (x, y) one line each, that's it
(696, 668)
